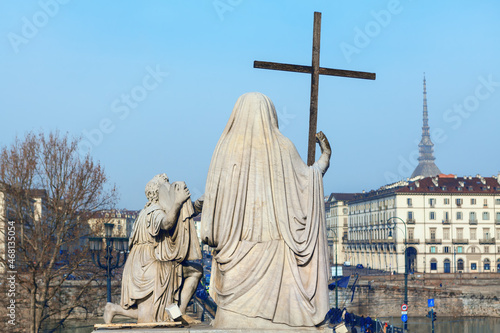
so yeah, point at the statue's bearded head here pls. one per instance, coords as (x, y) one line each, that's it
(153, 187)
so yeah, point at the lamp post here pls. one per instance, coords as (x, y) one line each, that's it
(336, 268)
(406, 261)
(119, 244)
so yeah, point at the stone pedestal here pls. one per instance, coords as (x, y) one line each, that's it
(204, 328)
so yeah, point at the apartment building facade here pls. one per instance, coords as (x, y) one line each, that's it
(450, 224)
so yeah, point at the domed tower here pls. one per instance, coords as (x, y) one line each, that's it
(426, 166)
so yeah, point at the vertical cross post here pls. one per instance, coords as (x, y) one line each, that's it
(313, 115)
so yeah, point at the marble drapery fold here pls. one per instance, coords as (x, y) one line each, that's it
(264, 213)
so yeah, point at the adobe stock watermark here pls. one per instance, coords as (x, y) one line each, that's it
(363, 37)
(223, 6)
(284, 118)
(121, 108)
(31, 25)
(453, 116)
(11, 272)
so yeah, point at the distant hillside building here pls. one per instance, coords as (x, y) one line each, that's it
(452, 225)
(7, 214)
(122, 219)
(426, 166)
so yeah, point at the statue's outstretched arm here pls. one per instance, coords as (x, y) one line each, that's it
(326, 151)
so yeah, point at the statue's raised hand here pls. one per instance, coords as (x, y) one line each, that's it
(326, 151)
(323, 143)
(181, 192)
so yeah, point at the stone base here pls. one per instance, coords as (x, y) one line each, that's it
(178, 327)
(209, 329)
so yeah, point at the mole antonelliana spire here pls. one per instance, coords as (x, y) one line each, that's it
(426, 166)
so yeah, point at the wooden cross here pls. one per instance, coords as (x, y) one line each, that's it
(315, 72)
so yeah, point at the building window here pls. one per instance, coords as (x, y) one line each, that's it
(498, 217)
(460, 249)
(446, 216)
(444, 188)
(498, 234)
(432, 215)
(460, 233)
(472, 216)
(434, 265)
(487, 264)
(485, 203)
(446, 201)
(459, 216)
(473, 234)
(460, 265)
(486, 249)
(497, 201)
(433, 249)
(433, 233)
(432, 202)
(446, 233)
(408, 201)
(486, 233)
(410, 215)
(472, 201)
(473, 266)
(472, 249)
(410, 233)
(486, 216)
(446, 249)
(459, 202)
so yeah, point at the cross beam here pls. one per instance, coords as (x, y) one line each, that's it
(315, 72)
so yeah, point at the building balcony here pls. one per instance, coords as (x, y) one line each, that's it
(413, 241)
(410, 221)
(487, 241)
(446, 221)
(460, 241)
(473, 221)
(497, 221)
(433, 241)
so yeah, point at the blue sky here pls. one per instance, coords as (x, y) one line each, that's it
(150, 85)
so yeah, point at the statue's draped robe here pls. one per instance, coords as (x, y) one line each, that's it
(264, 212)
(154, 263)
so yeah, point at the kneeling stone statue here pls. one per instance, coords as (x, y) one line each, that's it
(158, 271)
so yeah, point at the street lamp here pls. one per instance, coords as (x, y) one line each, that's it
(405, 256)
(119, 244)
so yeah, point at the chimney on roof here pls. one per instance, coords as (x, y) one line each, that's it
(435, 180)
(417, 183)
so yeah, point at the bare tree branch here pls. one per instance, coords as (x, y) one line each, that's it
(50, 193)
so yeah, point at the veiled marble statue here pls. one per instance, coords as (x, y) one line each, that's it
(159, 271)
(264, 213)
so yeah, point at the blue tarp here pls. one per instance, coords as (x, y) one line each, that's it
(342, 283)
